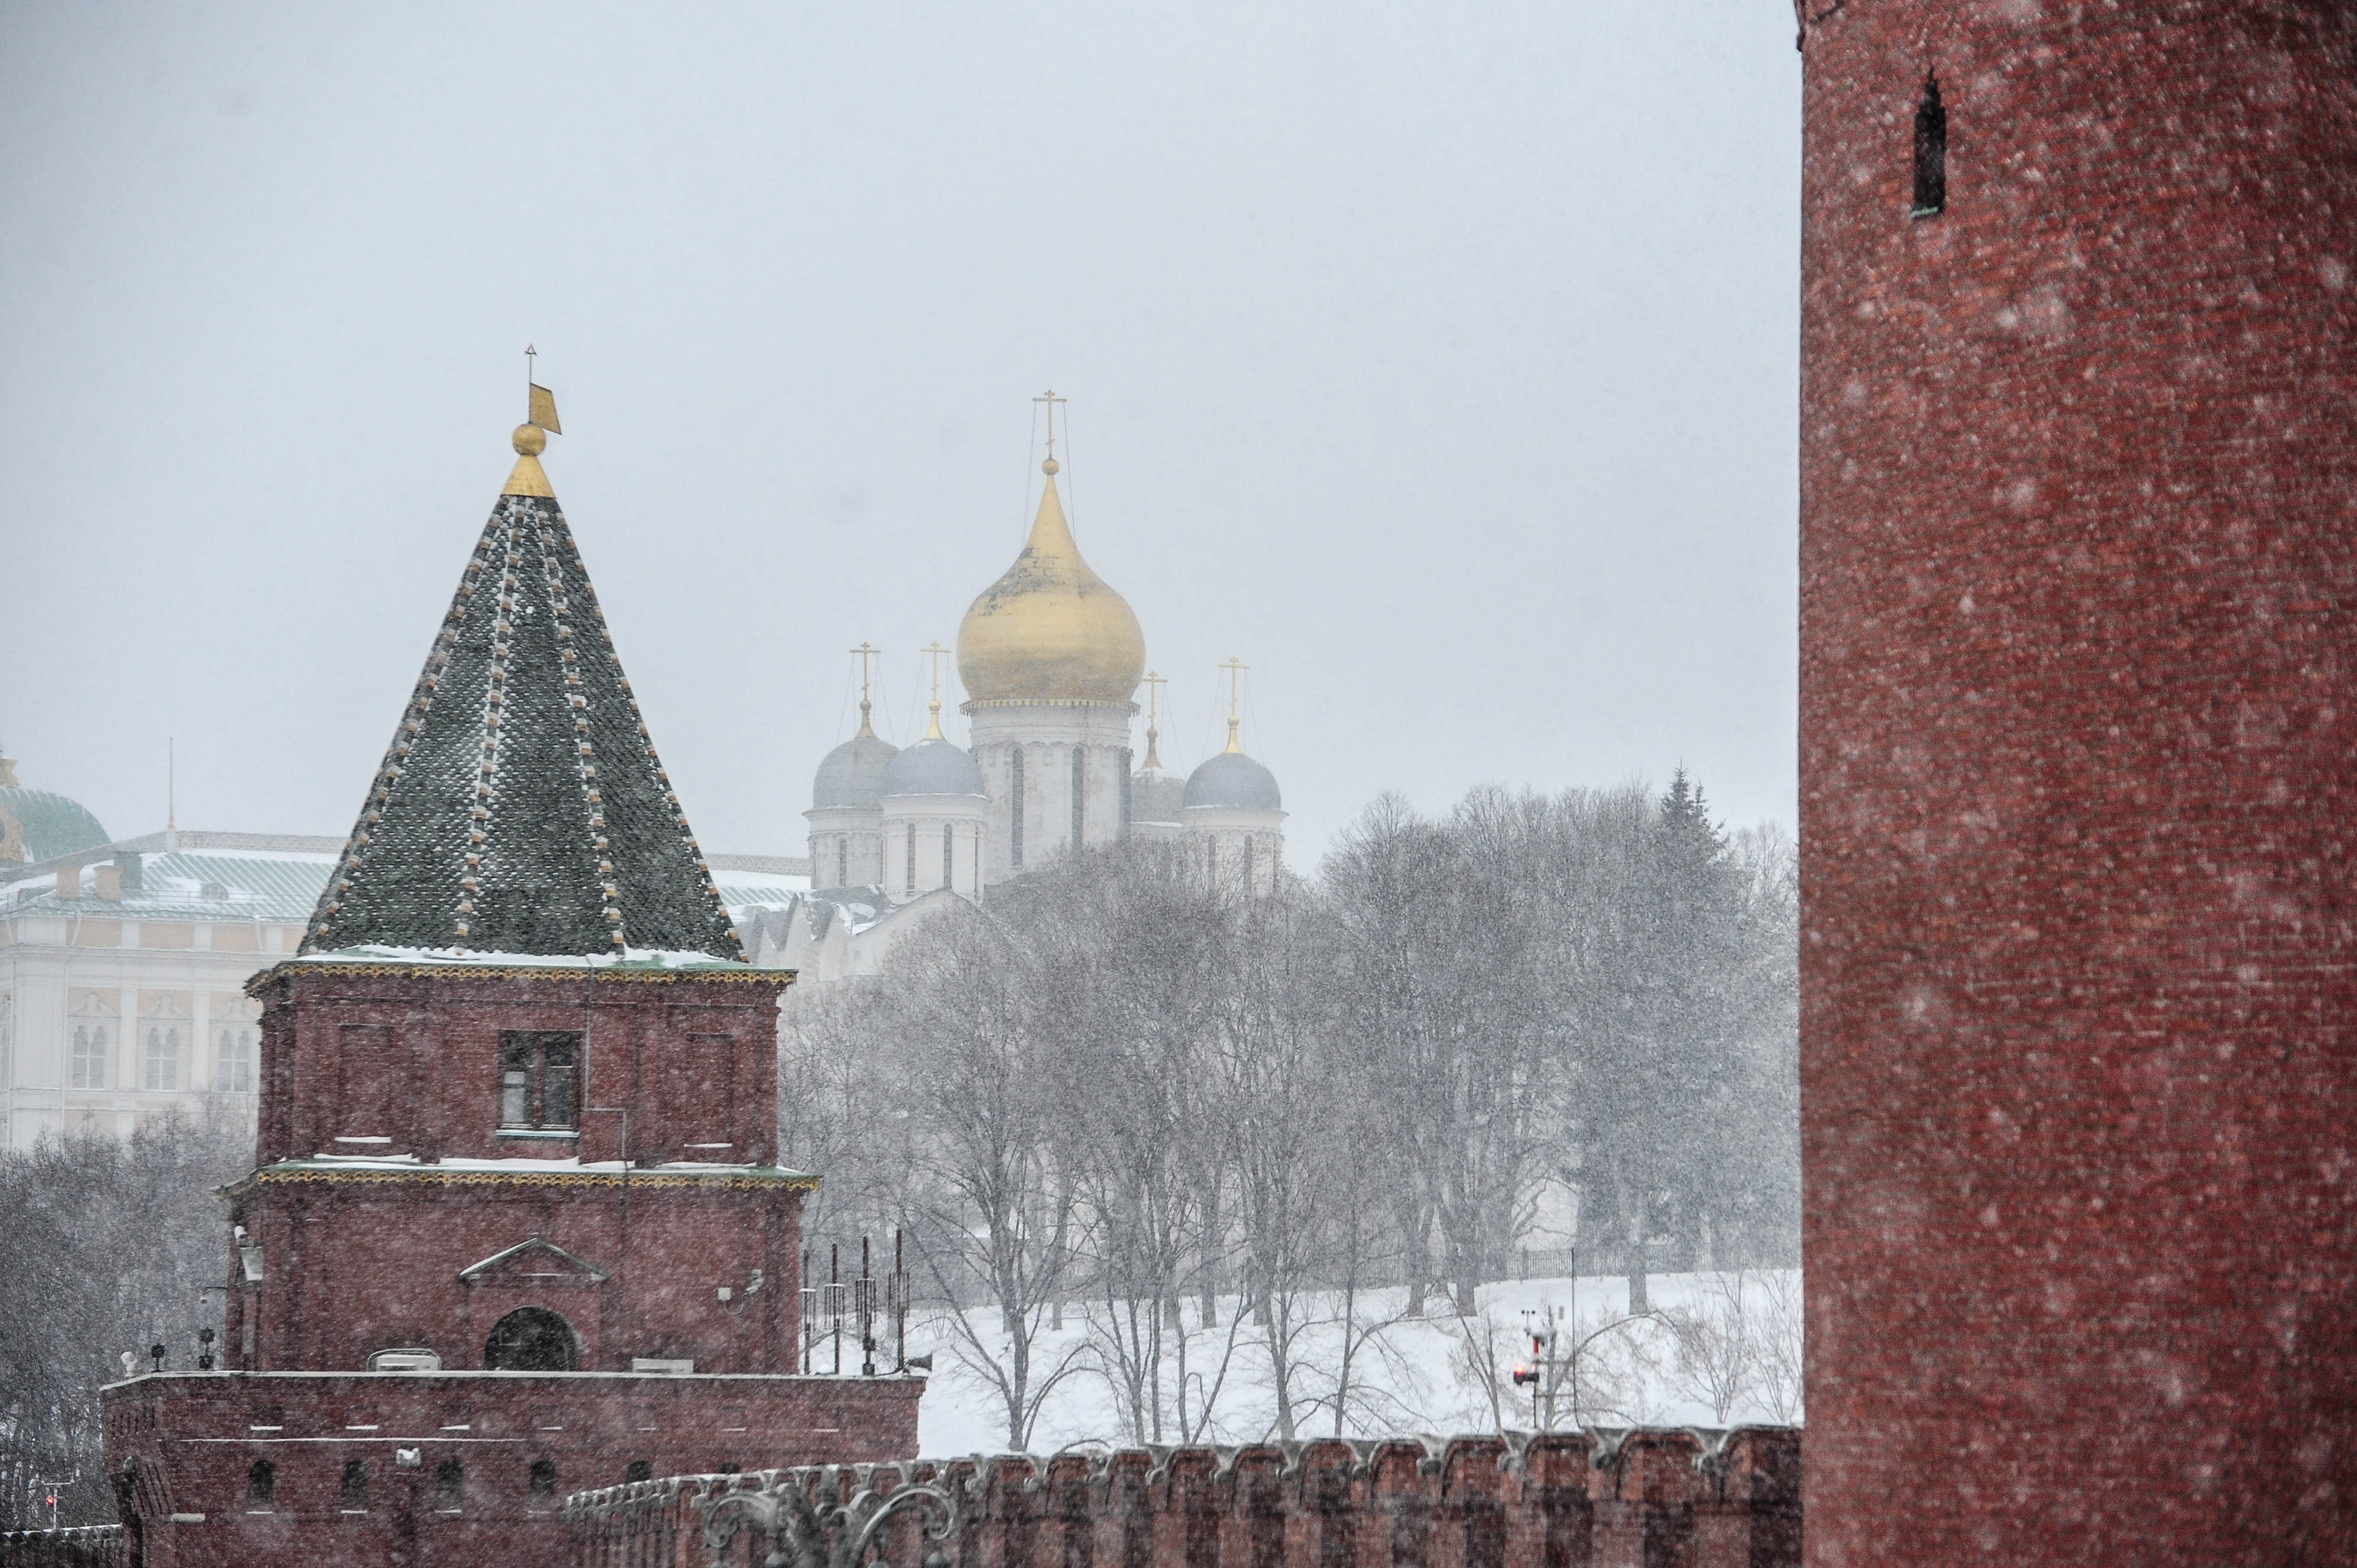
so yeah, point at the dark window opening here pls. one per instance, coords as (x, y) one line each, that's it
(1079, 792)
(728, 1467)
(449, 1484)
(842, 863)
(544, 1477)
(1930, 152)
(537, 1074)
(1015, 835)
(531, 1339)
(948, 845)
(260, 1487)
(910, 877)
(355, 1485)
(639, 1470)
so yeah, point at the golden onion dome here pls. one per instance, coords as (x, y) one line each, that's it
(1050, 630)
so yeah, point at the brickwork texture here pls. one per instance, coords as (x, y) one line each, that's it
(2078, 702)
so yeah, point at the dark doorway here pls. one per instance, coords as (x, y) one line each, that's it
(531, 1339)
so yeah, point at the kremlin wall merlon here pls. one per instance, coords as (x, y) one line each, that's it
(2079, 704)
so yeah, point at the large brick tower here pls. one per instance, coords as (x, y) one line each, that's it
(2079, 705)
(514, 1229)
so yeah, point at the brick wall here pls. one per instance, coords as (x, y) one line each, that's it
(2078, 710)
(187, 1441)
(1641, 1499)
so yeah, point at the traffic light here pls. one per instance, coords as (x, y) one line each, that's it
(1525, 1375)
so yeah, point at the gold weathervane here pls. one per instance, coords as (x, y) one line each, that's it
(531, 437)
(1235, 669)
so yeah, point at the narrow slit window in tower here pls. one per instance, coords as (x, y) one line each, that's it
(949, 852)
(842, 863)
(1080, 783)
(543, 1480)
(1930, 152)
(355, 1485)
(1015, 840)
(909, 875)
(260, 1487)
(449, 1485)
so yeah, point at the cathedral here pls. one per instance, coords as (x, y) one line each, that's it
(1051, 658)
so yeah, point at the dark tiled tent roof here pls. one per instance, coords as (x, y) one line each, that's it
(521, 808)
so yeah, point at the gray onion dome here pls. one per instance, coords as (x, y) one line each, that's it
(932, 767)
(1235, 781)
(852, 777)
(1156, 797)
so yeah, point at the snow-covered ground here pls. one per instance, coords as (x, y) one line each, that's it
(1719, 1349)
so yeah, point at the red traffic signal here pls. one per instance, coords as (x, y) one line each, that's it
(1525, 1375)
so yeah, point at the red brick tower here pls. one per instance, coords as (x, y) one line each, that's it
(514, 1231)
(2079, 704)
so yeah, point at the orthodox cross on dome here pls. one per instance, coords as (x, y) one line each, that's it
(934, 652)
(1051, 400)
(1154, 684)
(864, 653)
(1235, 669)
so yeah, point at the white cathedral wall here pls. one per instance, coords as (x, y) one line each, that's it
(1230, 843)
(918, 829)
(846, 841)
(1048, 734)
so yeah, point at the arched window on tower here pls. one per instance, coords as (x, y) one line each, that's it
(1930, 152)
(260, 1487)
(532, 1340)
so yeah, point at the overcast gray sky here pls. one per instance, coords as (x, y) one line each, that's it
(1440, 362)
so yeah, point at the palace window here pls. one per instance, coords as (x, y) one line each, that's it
(449, 1485)
(538, 1072)
(233, 1062)
(355, 1485)
(163, 1059)
(639, 1470)
(89, 1065)
(260, 1487)
(1930, 152)
(544, 1478)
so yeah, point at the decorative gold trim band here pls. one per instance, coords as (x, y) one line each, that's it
(781, 978)
(792, 1181)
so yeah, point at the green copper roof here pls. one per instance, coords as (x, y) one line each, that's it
(521, 808)
(41, 825)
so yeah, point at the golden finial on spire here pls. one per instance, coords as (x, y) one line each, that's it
(934, 651)
(1153, 716)
(864, 653)
(1051, 467)
(1235, 669)
(531, 437)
